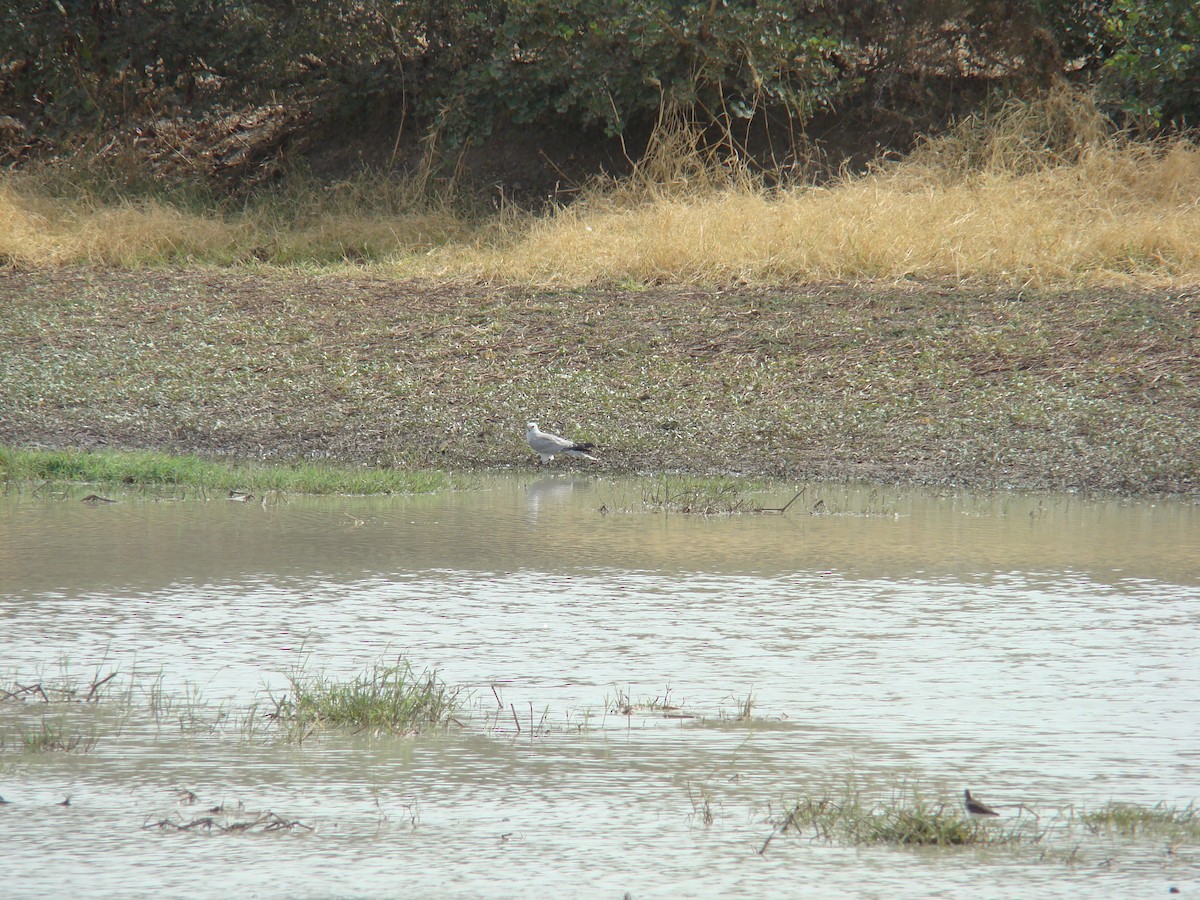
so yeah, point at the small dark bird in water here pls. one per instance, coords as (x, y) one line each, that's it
(975, 808)
(66, 802)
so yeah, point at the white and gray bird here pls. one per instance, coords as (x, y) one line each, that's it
(548, 446)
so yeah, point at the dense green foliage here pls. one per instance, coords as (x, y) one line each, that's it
(1155, 67)
(601, 62)
(461, 68)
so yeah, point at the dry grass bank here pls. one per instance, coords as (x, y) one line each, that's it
(1034, 194)
(65, 216)
(1037, 194)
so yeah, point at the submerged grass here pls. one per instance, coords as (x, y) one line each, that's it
(385, 698)
(65, 713)
(697, 495)
(155, 469)
(1037, 192)
(1132, 820)
(55, 737)
(662, 705)
(57, 702)
(70, 713)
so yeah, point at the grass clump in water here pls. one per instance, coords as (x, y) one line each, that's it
(1132, 820)
(387, 698)
(155, 469)
(905, 818)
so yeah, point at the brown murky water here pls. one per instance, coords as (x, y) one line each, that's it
(1041, 650)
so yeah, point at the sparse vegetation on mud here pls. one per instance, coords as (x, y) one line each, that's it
(929, 383)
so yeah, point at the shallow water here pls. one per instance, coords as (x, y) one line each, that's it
(1040, 650)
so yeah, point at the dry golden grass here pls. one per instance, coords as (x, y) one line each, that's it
(361, 222)
(1037, 193)
(39, 230)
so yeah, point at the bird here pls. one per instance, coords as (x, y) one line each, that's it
(548, 446)
(975, 808)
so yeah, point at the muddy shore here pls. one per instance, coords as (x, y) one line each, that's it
(977, 386)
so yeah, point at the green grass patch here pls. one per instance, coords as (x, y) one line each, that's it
(386, 698)
(155, 469)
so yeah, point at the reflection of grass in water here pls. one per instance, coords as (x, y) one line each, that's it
(386, 698)
(848, 816)
(153, 469)
(1132, 820)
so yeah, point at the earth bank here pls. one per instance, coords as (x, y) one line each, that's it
(978, 386)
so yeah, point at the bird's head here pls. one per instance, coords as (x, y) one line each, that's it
(531, 426)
